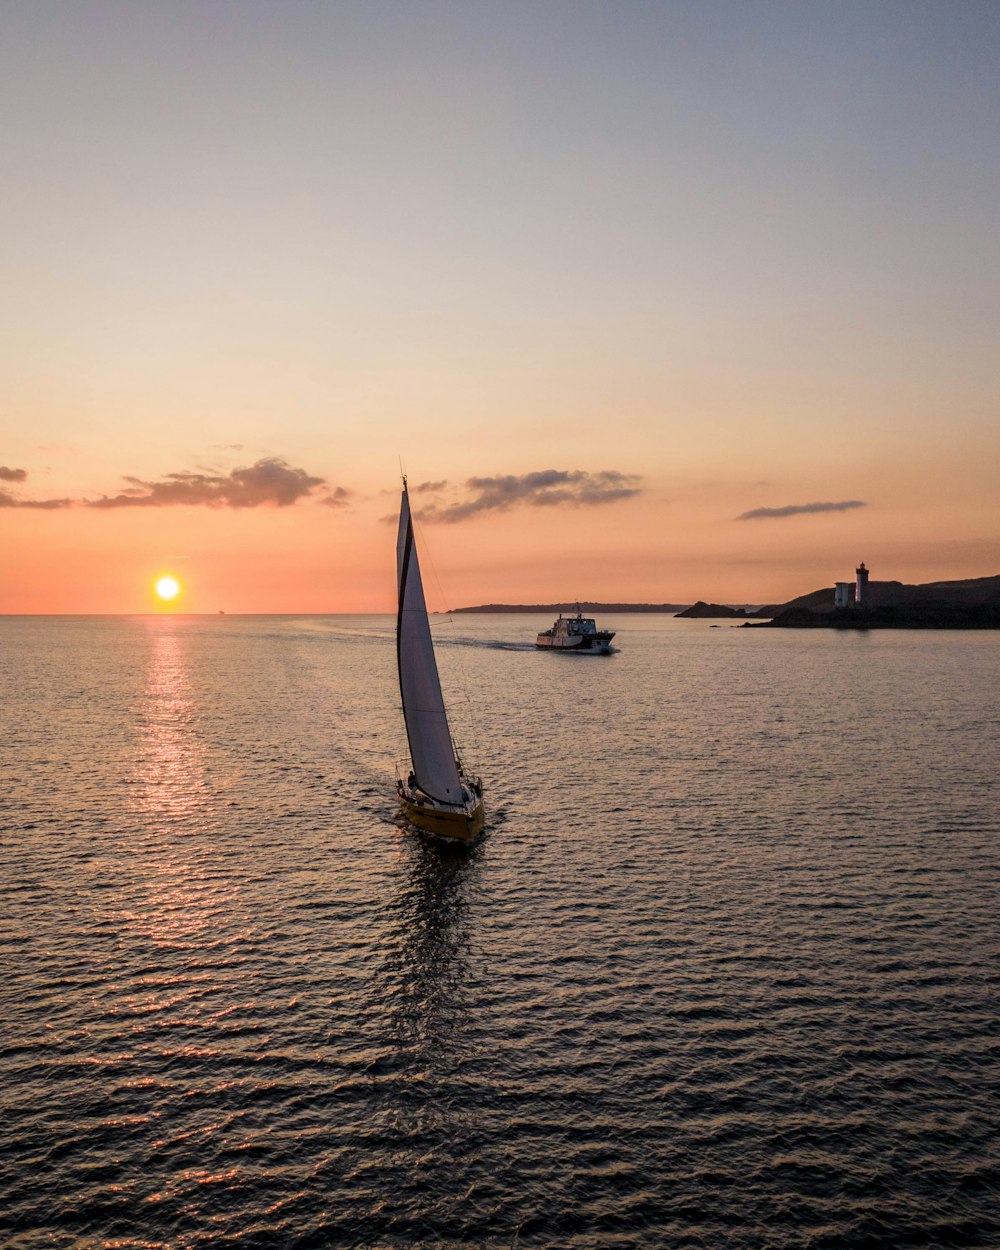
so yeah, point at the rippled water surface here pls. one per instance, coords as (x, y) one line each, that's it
(723, 972)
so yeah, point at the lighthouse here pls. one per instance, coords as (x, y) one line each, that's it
(861, 588)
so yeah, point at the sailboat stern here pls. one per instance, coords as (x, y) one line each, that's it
(460, 823)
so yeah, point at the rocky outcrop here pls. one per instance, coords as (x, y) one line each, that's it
(702, 610)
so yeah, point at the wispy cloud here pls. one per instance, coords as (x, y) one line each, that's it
(547, 488)
(12, 475)
(797, 509)
(270, 482)
(7, 500)
(338, 498)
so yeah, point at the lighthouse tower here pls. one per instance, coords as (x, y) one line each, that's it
(861, 589)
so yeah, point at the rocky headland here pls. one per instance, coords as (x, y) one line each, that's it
(973, 603)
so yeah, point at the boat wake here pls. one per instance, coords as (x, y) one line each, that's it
(486, 644)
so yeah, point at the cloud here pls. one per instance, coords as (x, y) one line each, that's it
(338, 498)
(8, 501)
(797, 509)
(547, 488)
(268, 482)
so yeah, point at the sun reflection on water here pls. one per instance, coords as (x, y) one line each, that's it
(171, 766)
(173, 800)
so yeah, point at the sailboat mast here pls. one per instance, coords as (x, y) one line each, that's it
(403, 569)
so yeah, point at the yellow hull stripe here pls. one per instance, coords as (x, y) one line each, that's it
(465, 828)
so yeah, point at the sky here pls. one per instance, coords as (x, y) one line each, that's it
(654, 302)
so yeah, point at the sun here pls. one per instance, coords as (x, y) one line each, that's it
(168, 588)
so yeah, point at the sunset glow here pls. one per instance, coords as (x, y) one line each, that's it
(710, 313)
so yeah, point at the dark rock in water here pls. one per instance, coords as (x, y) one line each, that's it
(702, 610)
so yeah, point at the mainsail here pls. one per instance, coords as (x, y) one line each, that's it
(431, 748)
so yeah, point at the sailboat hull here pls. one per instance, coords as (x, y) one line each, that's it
(458, 824)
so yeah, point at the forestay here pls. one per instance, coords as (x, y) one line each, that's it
(431, 747)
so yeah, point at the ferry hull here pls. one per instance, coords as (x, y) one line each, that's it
(459, 825)
(603, 645)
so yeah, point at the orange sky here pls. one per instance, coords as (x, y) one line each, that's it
(695, 268)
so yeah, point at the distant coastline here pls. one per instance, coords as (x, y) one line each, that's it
(572, 607)
(969, 603)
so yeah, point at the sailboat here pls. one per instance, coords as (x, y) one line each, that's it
(438, 796)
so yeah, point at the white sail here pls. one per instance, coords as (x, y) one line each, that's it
(431, 748)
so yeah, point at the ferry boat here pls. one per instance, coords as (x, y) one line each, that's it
(575, 633)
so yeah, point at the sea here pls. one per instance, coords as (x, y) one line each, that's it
(723, 972)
